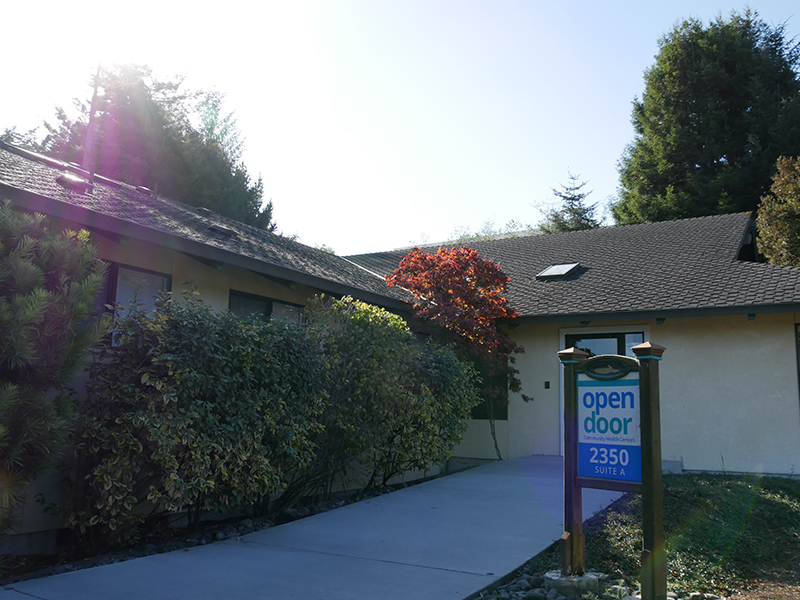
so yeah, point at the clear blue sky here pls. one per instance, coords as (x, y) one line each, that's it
(379, 124)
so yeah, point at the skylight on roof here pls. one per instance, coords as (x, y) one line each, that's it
(221, 229)
(73, 182)
(561, 270)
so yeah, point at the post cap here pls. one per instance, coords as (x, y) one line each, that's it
(648, 350)
(571, 355)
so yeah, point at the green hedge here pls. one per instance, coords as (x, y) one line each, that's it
(393, 402)
(191, 409)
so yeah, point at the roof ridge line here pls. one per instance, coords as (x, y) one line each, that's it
(366, 270)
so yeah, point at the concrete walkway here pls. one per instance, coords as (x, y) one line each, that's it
(440, 540)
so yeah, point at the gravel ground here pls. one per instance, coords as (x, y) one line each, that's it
(526, 586)
(782, 584)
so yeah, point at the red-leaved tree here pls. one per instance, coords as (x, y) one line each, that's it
(462, 293)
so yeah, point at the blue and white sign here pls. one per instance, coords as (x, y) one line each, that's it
(609, 437)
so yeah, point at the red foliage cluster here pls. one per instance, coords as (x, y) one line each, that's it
(458, 290)
(462, 293)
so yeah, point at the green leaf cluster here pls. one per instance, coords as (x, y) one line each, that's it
(48, 285)
(152, 133)
(190, 409)
(721, 104)
(779, 215)
(393, 402)
(574, 214)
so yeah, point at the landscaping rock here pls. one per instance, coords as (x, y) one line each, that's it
(575, 585)
(616, 591)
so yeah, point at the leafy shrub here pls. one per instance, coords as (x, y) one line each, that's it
(48, 283)
(428, 428)
(393, 403)
(190, 408)
(779, 215)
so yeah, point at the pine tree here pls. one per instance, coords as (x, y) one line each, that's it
(144, 134)
(573, 215)
(48, 285)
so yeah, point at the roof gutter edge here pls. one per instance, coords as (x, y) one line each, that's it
(658, 314)
(101, 221)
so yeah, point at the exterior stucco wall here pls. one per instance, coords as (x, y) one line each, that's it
(535, 426)
(214, 285)
(729, 393)
(478, 442)
(532, 427)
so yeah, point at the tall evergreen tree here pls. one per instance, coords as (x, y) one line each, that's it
(143, 135)
(48, 284)
(574, 214)
(721, 104)
(219, 128)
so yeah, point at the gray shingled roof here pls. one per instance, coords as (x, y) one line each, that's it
(29, 179)
(685, 267)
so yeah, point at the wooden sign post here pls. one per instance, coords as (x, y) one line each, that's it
(654, 557)
(573, 560)
(612, 440)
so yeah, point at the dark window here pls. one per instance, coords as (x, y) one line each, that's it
(290, 313)
(495, 399)
(243, 304)
(499, 410)
(605, 343)
(124, 283)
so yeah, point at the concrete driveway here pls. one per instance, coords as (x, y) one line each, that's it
(440, 540)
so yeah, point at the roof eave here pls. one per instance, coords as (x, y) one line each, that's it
(711, 311)
(105, 224)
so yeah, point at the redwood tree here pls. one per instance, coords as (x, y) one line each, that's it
(720, 105)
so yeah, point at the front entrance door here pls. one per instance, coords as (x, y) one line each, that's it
(605, 343)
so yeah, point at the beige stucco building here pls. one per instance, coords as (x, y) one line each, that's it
(729, 377)
(152, 244)
(730, 398)
(729, 393)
